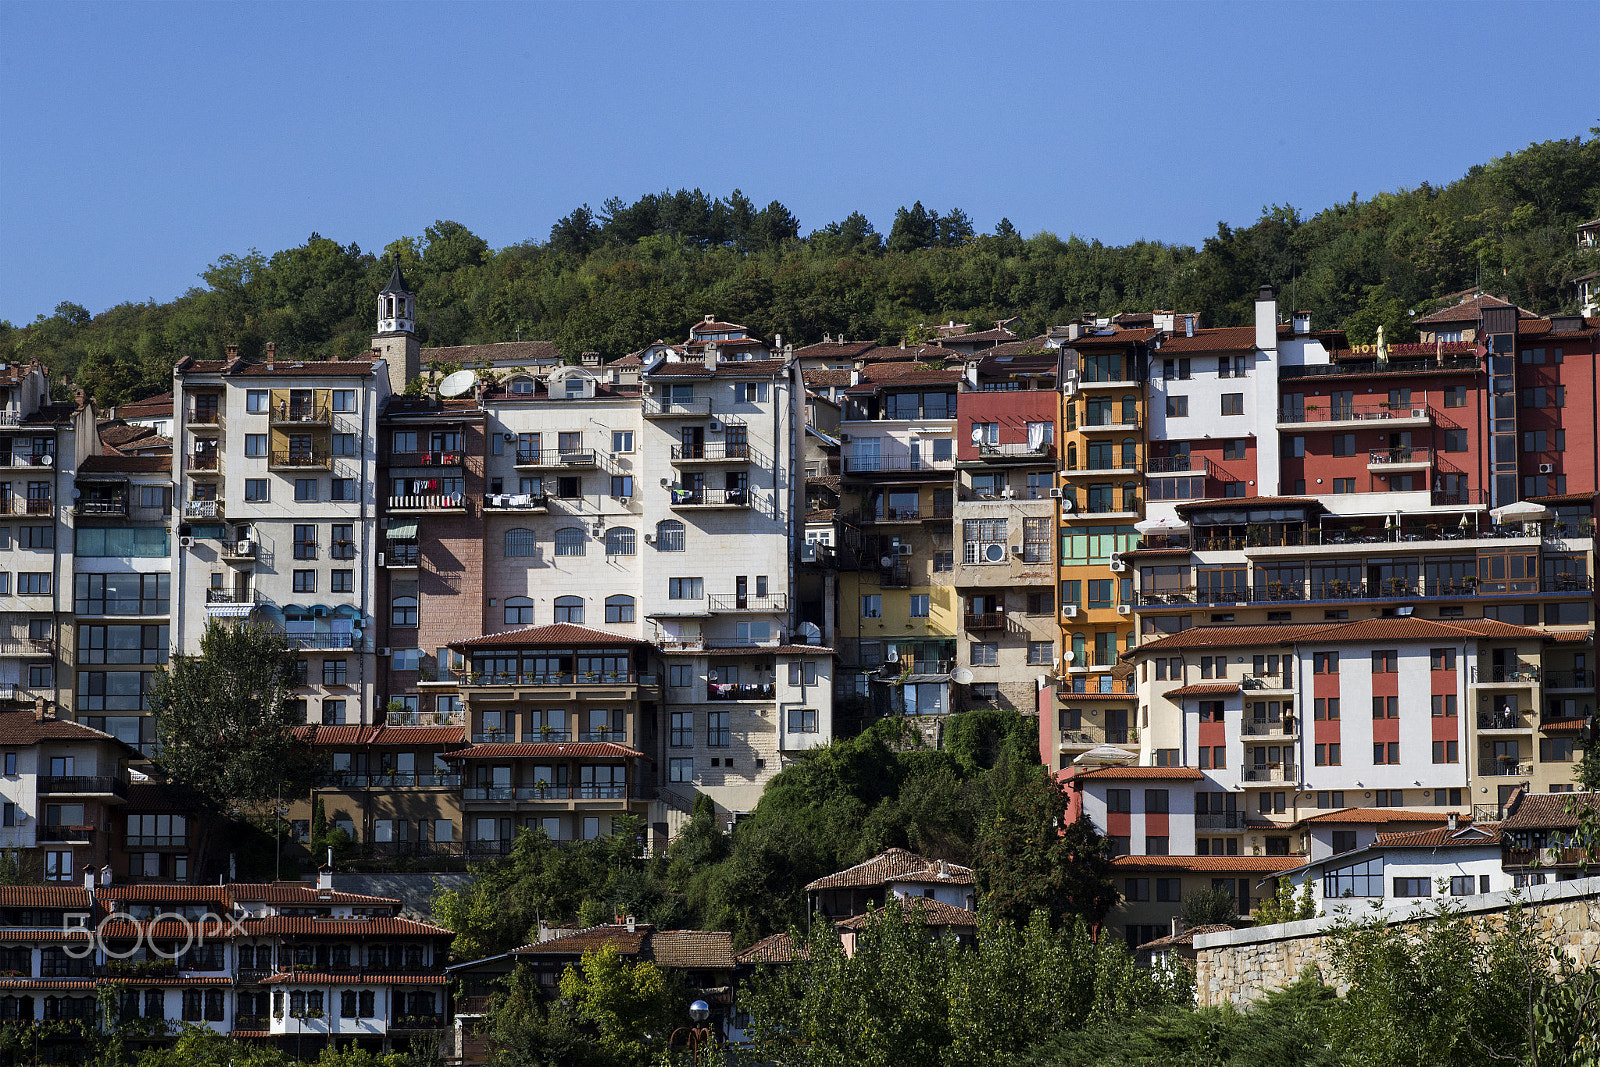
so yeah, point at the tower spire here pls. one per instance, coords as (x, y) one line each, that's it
(397, 304)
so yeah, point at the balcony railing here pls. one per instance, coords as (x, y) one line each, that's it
(92, 784)
(302, 412)
(736, 602)
(555, 457)
(740, 691)
(424, 718)
(204, 462)
(1336, 590)
(1399, 457)
(713, 452)
(26, 459)
(1219, 820)
(517, 501)
(545, 792)
(886, 514)
(1110, 422)
(1353, 413)
(1579, 679)
(1504, 767)
(1175, 465)
(203, 509)
(984, 620)
(659, 408)
(115, 506)
(1518, 674)
(1016, 452)
(450, 458)
(542, 736)
(326, 641)
(1285, 773)
(897, 465)
(1567, 583)
(390, 781)
(711, 498)
(205, 417)
(41, 505)
(66, 833)
(400, 554)
(1393, 366)
(302, 459)
(502, 678)
(428, 502)
(1502, 720)
(1256, 728)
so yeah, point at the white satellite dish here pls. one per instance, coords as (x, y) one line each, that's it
(961, 676)
(811, 632)
(977, 434)
(887, 561)
(458, 383)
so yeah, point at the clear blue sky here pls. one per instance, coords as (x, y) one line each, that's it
(143, 140)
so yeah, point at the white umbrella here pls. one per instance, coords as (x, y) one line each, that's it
(1163, 524)
(1521, 511)
(1105, 754)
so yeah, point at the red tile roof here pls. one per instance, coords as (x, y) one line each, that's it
(1187, 774)
(547, 750)
(1219, 339)
(715, 326)
(382, 735)
(779, 948)
(1467, 311)
(331, 368)
(352, 979)
(1549, 811)
(1217, 503)
(1464, 835)
(692, 949)
(1216, 689)
(895, 865)
(560, 633)
(829, 376)
(55, 933)
(1119, 338)
(383, 926)
(1187, 937)
(176, 894)
(1267, 864)
(149, 407)
(628, 943)
(22, 728)
(835, 350)
(1234, 636)
(932, 913)
(120, 464)
(1374, 815)
(300, 893)
(979, 335)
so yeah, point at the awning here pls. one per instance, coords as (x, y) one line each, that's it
(1164, 524)
(1521, 511)
(402, 529)
(1105, 754)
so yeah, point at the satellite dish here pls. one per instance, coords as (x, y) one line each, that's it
(887, 561)
(961, 676)
(811, 632)
(977, 434)
(1068, 656)
(458, 383)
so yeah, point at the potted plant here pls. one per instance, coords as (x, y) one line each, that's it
(540, 786)
(545, 731)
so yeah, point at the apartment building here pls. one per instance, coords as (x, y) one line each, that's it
(279, 513)
(1005, 516)
(297, 965)
(898, 633)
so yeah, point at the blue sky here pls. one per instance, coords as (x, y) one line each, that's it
(143, 140)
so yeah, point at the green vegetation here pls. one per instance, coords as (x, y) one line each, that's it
(614, 280)
(983, 795)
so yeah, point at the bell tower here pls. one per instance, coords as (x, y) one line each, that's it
(396, 339)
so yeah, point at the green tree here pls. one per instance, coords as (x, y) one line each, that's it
(1285, 905)
(225, 726)
(1210, 907)
(632, 1007)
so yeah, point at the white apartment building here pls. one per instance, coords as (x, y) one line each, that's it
(278, 511)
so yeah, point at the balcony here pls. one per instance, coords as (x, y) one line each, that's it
(1288, 728)
(660, 408)
(429, 502)
(1219, 820)
(710, 498)
(772, 602)
(203, 509)
(84, 834)
(416, 1023)
(986, 620)
(40, 505)
(26, 459)
(1119, 467)
(1175, 465)
(1284, 773)
(302, 413)
(556, 459)
(206, 418)
(1568, 583)
(1504, 767)
(741, 691)
(480, 679)
(332, 642)
(1118, 424)
(80, 785)
(1431, 362)
(1517, 674)
(1265, 683)
(301, 460)
(1087, 384)
(401, 554)
(103, 506)
(36, 646)
(391, 781)
(1335, 591)
(1503, 719)
(12, 693)
(225, 604)
(907, 468)
(1018, 453)
(714, 452)
(424, 718)
(426, 459)
(886, 515)
(1568, 680)
(516, 502)
(1400, 459)
(204, 463)
(1355, 416)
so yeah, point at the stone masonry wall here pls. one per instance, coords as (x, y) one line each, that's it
(1243, 965)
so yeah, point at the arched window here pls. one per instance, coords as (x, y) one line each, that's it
(1130, 496)
(1072, 455)
(669, 536)
(519, 542)
(403, 611)
(519, 611)
(619, 608)
(569, 609)
(522, 385)
(1130, 453)
(570, 541)
(1130, 410)
(619, 541)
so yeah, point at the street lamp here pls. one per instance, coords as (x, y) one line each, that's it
(696, 1037)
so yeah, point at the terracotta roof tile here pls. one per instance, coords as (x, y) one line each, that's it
(1263, 864)
(560, 633)
(1187, 937)
(1464, 835)
(503, 351)
(628, 943)
(1218, 339)
(382, 735)
(1216, 689)
(980, 335)
(692, 949)
(299, 893)
(576, 750)
(1188, 774)
(715, 326)
(932, 913)
(1234, 636)
(895, 865)
(1374, 815)
(829, 376)
(120, 464)
(298, 368)
(351, 979)
(1548, 811)
(835, 349)
(21, 728)
(383, 926)
(779, 948)
(149, 407)
(727, 368)
(177, 894)
(1467, 311)
(49, 933)
(1113, 337)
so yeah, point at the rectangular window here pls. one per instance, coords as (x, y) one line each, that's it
(1155, 801)
(1041, 652)
(305, 489)
(680, 769)
(255, 490)
(985, 654)
(1446, 752)
(1177, 407)
(1444, 706)
(919, 605)
(344, 400)
(1344, 444)
(258, 401)
(685, 588)
(1136, 889)
(1413, 887)
(1233, 403)
(335, 671)
(1344, 485)
(1385, 707)
(802, 720)
(1325, 663)
(1385, 662)
(32, 583)
(872, 606)
(344, 444)
(342, 582)
(1119, 801)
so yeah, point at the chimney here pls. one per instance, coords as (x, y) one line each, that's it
(710, 318)
(1188, 325)
(272, 351)
(88, 877)
(1450, 821)
(1266, 319)
(777, 341)
(1074, 330)
(711, 355)
(1302, 322)
(324, 878)
(1164, 320)
(233, 351)
(632, 925)
(105, 875)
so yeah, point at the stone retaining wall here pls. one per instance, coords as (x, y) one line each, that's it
(1240, 966)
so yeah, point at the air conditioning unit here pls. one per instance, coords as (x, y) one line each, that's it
(624, 501)
(994, 553)
(846, 438)
(1069, 611)
(385, 651)
(1547, 468)
(382, 559)
(1056, 492)
(713, 425)
(185, 542)
(246, 547)
(1117, 566)
(1419, 413)
(1124, 609)
(903, 549)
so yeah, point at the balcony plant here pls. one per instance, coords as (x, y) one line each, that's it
(546, 730)
(540, 786)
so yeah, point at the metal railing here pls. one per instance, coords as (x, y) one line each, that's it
(1175, 465)
(443, 458)
(736, 602)
(1393, 366)
(546, 792)
(1579, 679)
(1504, 767)
(984, 620)
(1219, 820)
(555, 457)
(83, 784)
(1502, 720)
(1016, 451)
(543, 736)
(302, 459)
(203, 509)
(897, 465)
(66, 833)
(86, 506)
(338, 780)
(1517, 674)
(1285, 773)
(713, 451)
(886, 514)
(516, 501)
(302, 412)
(657, 407)
(205, 461)
(1353, 413)
(1255, 728)
(500, 678)
(689, 498)
(741, 690)
(1119, 422)
(429, 501)
(1393, 456)
(400, 554)
(425, 718)
(205, 417)
(1337, 590)
(27, 459)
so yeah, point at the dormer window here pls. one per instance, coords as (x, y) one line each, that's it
(522, 386)
(574, 387)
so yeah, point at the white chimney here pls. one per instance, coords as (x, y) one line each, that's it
(1302, 322)
(88, 877)
(324, 878)
(632, 924)
(1188, 325)
(1266, 319)
(1450, 821)
(1074, 330)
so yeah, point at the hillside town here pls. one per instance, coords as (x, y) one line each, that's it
(529, 590)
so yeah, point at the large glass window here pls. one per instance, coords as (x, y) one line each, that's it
(121, 594)
(1356, 880)
(570, 541)
(122, 542)
(122, 644)
(569, 609)
(620, 541)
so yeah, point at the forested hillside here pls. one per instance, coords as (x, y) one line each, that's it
(615, 279)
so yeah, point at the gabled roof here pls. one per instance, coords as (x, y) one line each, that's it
(561, 633)
(19, 728)
(382, 735)
(715, 326)
(1468, 311)
(120, 464)
(283, 367)
(1465, 835)
(1217, 339)
(692, 949)
(1186, 938)
(779, 948)
(835, 350)
(149, 407)
(1209, 689)
(45, 896)
(1177, 774)
(1374, 815)
(895, 865)
(546, 750)
(932, 913)
(727, 368)
(1549, 811)
(627, 942)
(380, 926)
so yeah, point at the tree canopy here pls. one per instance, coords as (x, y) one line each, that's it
(616, 278)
